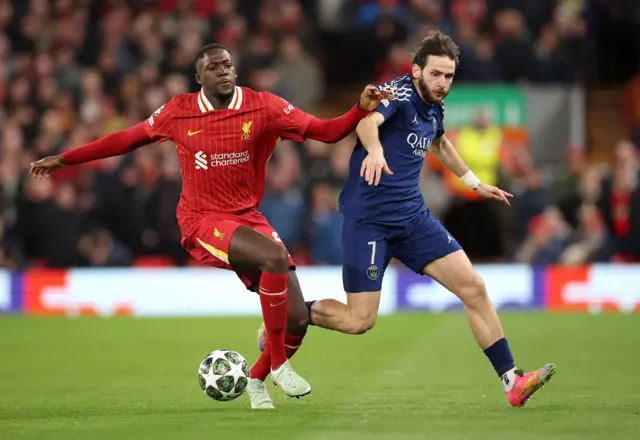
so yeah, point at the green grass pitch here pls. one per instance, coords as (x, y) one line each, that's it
(412, 377)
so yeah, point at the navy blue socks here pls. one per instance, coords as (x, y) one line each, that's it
(309, 304)
(500, 357)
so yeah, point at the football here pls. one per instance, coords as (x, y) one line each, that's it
(223, 375)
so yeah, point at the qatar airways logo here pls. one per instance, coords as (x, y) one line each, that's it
(204, 161)
(420, 144)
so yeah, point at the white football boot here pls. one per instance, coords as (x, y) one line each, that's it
(289, 381)
(258, 396)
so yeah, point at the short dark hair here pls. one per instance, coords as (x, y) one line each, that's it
(208, 48)
(438, 44)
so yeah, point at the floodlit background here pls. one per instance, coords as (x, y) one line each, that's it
(545, 103)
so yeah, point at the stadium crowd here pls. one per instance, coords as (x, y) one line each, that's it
(74, 70)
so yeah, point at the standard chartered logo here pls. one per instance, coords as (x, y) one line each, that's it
(220, 159)
(201, 161)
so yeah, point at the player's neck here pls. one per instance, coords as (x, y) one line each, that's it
(218, 102)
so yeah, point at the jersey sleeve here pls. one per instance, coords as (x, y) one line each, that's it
(159, 125)
(440, 128)
(387, 108)
(289, 122)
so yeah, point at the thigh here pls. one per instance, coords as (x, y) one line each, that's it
(259, 223)
(422, 241)
(453, 272)
(246, 256)
(208, 242)
(364, 256)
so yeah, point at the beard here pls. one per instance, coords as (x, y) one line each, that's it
(427, 94)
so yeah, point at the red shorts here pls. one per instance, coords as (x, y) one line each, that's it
(208, 241)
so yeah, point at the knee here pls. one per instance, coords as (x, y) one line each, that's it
(277, 260)
(361, 322)
(473, 291)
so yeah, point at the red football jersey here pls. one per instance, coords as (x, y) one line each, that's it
(223, 153)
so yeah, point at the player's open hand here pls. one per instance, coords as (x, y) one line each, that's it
(372, 167)
(493, 192)
(44, 167)
(371, 97)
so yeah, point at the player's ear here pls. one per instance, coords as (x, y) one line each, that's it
(416, 71)
(198, 79)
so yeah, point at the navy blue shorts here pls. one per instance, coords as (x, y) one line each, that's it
(367, 248)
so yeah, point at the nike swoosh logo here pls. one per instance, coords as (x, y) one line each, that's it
(279, 304)
(191, 133)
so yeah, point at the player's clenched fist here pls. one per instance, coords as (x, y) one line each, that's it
(44, 167)
(371, 97)
(372, 167)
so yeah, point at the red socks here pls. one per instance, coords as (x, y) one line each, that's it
(292, 343)
(273, 299)
(262, 367)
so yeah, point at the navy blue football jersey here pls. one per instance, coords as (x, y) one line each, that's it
(410, 126)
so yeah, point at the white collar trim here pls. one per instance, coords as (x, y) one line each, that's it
(235, 104)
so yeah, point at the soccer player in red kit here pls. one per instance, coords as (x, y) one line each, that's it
(224, 136)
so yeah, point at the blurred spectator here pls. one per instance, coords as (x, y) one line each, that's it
(302, 83)
(551, 65)
(50, 223)
(326, 240)
(531, 202)
(620, 204)
(283, 202)
(588, 239)
(397, 63)
(587, 193)
(546, 239)
(479, 146)
(515, 51)
(99, 249)
(482, 65)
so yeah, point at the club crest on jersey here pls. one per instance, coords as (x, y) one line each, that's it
(217, 234)
(434, 124)
(373, 272)
(246, 130)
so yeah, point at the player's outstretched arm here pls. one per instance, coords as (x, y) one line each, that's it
(446, 153)
(374, 164)
(297, 125)
(333, 130)
(114, 144)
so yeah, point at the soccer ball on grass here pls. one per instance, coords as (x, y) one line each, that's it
(223, 375)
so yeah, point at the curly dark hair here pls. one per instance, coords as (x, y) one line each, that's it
(438, 44)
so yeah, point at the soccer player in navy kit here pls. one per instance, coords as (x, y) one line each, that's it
(386, 216)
